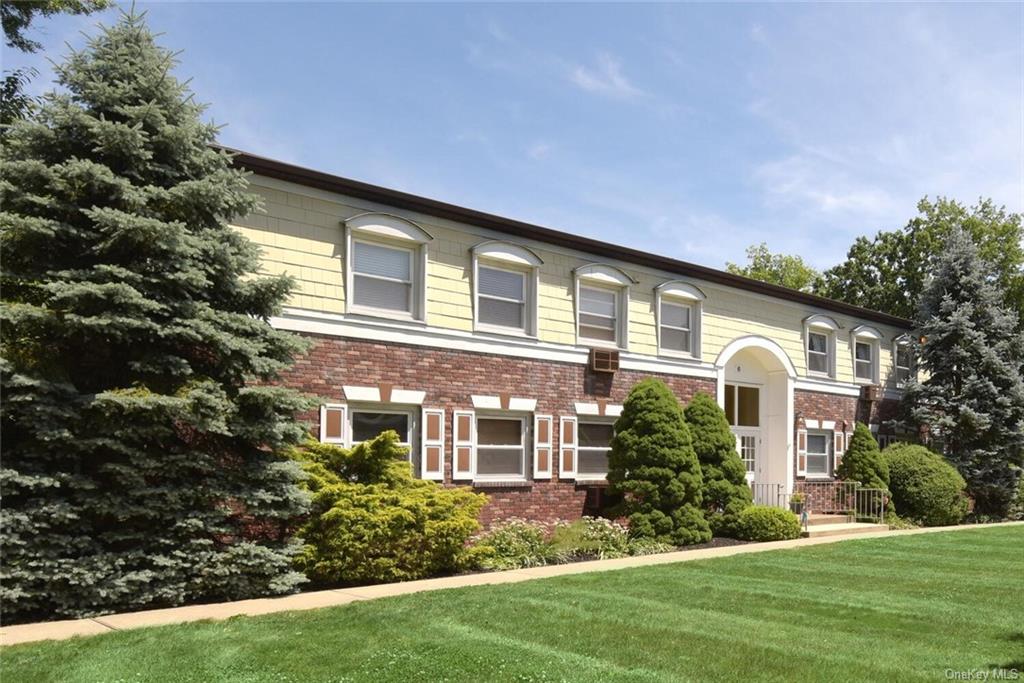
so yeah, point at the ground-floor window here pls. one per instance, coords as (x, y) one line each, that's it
(748, 450)
(595, 442)
(366, 424)
(501, 447)
(819, 453)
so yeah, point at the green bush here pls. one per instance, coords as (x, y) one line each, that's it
(590, 538)
(513, 544)
(925, 488)
(1017, 504)
(726, 492)
(371, 521)
(653, 465)
(766, 523)
(648, 546)
(863, 461)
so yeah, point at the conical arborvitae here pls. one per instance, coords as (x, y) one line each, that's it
(142, 449)
(726, 492)
(652, 463)
(863, 461)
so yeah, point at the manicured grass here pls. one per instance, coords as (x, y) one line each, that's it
(905, 608)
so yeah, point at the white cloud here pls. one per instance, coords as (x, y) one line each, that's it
(538, 150)
(604, 79)
(758, 35)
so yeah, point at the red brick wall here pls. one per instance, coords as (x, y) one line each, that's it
(845, 411)
(451, 377)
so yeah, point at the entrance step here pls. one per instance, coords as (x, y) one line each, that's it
(842, 529)
(815, 519)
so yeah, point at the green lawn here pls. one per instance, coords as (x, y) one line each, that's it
(882, 609)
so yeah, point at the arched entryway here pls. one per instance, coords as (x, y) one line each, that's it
(755, 387)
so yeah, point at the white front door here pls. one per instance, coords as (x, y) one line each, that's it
(748, 445)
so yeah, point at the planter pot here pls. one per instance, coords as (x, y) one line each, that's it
(796, 508)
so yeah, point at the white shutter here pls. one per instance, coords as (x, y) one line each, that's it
(801, 452)
(463, 444)
(433, 444)
(567, 448)
(333, 423)
(542, 441)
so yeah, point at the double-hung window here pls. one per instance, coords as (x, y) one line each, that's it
(819, 452)
(598, 314)
(863, 362)
(385, 267)
(369, 424)
(501, 447)
(820, 345)
(501, 298)
(594, 444)
(676, 323)
(382, 277)
(817, 353)
(904, 361)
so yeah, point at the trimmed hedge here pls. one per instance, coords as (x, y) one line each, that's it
(766, 523)
(925, 488)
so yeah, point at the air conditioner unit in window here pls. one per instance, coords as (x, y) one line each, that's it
(870, 392)
(604, 360)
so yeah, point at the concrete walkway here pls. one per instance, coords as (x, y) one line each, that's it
(59, 630)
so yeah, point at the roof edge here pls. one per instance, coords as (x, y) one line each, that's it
(325, 181)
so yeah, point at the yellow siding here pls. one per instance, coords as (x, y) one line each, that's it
(302, 236)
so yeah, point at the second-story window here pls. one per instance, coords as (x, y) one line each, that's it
(866, 347)
(501, 297)
(678, 304)
(382, 277)
(676, 327)
(817, 353)
(385, 267)
(602, 302)
(904, 361)
(598, 314)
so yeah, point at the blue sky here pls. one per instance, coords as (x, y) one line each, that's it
(687, 130)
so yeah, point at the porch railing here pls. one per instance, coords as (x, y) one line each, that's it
(848, 498)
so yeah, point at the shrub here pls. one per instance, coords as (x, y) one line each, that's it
(647, 546)
(726, 492)
(766, 523)
(590, 538)
(371, 521)
(863, 461)
(925, 488)
(513, 544)
(1017, 506)
(653, 465)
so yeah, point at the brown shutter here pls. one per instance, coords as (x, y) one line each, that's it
(542, 440)
(801, 452)
(433, 444)
(567, 443)
(463, 444)
(333, 423)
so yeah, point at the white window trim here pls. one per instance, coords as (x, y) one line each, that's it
(531, 279)
(525, 439)
(865, 334)
(902, 341)
(390, 410)
(681, 294)
(829, 454)
(589, 476)
(394, 232)
(602, 276)
(821, 324)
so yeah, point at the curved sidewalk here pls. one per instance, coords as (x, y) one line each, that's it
(59, 630)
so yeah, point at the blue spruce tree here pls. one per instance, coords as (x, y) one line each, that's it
(143, 448)
(972, 397)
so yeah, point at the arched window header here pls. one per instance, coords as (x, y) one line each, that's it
(822, 322)
(508, 252)
(602, 272)
(388, 226)
(680, 289)
(866, 332)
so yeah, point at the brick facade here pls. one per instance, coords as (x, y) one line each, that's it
(451, 377)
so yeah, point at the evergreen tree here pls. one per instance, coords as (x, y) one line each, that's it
(972, 397)
(726, 492)
(144, 459)
(863, 461)
(652, 463)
